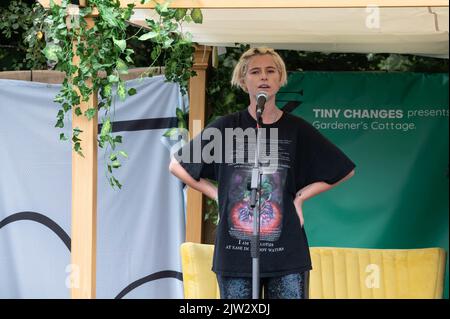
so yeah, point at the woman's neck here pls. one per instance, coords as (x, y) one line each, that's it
(270, 115)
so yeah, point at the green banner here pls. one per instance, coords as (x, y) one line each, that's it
(395, 127)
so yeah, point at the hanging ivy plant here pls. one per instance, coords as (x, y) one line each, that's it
(104, 56)
(168, 39)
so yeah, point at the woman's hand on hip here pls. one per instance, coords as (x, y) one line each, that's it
(298, 203)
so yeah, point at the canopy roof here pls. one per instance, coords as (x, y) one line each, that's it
(406, 30)
(360, 26)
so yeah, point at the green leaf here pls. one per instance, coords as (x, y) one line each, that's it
(121, 66)
(51, 52)
(121, 92)
(118, 139)
(112, 78)
(63, 137)
(113, 157)
(78, 111)
(124, 154)
(229, 98)
(171, 132)
(107, 89)
(162, 9)
(59, 124)
(90, 113)
(106, 127)
(116, 182)
(148, 35)
(165, 6)
(155, 52)
(128, 59)
(132, 91)
(179, 113)
(116, 164)
(107, 14)
(167, 43)
(197, 15)
(180, 14)
(59, 99)
(122, 44)
(77, 131)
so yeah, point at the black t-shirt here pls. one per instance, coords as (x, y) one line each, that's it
(293, 155)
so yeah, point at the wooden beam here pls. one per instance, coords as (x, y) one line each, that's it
(197, 84)
(82, 4)
(57, 77)
(46, 3)
(242, 4)
(16, 75)
(47, 76)
(84, 200)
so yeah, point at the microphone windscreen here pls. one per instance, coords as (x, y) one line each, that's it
(261, 95)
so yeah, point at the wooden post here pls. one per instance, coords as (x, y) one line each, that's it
(84, 191)
(195, 214)
(84, 200)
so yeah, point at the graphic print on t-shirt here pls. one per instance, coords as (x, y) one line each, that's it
(240, 218)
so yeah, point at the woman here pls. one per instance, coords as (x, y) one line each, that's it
(302, 164)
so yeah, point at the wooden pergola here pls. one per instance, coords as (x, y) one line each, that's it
(84, 169)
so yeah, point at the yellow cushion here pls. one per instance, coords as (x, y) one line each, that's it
(339, 272)
(377, 273)
(198, 279)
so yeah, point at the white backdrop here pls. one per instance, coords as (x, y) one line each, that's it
(140, 227)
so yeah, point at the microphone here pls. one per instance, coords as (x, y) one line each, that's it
(261, 98)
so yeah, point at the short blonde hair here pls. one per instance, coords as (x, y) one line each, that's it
(241, 67)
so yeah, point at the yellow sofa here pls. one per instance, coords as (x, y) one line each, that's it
(339, 272)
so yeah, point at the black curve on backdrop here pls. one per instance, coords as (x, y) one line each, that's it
(41, 219)
(154, 276)
(46, 221)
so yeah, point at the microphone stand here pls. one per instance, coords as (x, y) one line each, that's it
(255, 187)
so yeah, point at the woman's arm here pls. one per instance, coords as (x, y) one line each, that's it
(203, 185)
(312, 190)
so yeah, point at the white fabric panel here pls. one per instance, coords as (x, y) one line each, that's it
(140, 227)
(421, 30)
